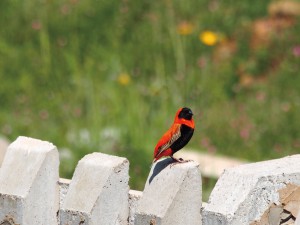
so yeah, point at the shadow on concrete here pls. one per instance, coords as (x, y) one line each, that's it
(159, 167)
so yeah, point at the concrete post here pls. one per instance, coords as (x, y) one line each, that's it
(98, 192)
(297, 222)
(63, 190)
(255, 193)
(172, 195)
(134, 197)
(29, 193)
(4, 143)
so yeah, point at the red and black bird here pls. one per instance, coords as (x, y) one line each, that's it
(179, 134)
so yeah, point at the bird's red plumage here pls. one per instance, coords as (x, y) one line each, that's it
(163, 146)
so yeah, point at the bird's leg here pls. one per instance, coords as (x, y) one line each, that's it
(180, 160)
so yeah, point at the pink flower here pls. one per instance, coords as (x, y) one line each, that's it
(36, 25)
(65, 9)
(44, 114)
(245, 133)
(260, 96)
(296, 51)
(205, 142)
(202, 62)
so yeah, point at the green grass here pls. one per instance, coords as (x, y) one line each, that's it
(61, 61)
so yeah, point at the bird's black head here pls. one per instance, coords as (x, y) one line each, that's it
(185, 113)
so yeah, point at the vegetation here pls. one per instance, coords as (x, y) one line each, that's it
(109, 76)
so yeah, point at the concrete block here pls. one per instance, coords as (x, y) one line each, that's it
(134, 197)
(4, 143)
(98, 192)
(28, 183)
(172, 195)
(63, 189)
(297, 222)
(252, 193)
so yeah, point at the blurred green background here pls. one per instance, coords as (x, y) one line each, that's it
(109, 76)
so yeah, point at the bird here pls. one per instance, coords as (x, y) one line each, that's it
(178, 135)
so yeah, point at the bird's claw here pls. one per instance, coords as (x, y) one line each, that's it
(180, 160)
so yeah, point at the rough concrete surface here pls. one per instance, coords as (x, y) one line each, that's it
(28, 183)
(297, 222)
(243, 193)
(98, 192)
(172, 195)
(284, 213)
(134, 197)
(31, 192)
(63, 189)
(4, 143)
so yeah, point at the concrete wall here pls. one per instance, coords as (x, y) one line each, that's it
(31, 192)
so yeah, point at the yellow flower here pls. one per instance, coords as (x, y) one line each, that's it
(185, 28)
(208, 38)
(124, 79)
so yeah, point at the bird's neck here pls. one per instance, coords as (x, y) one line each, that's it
(189, 123)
